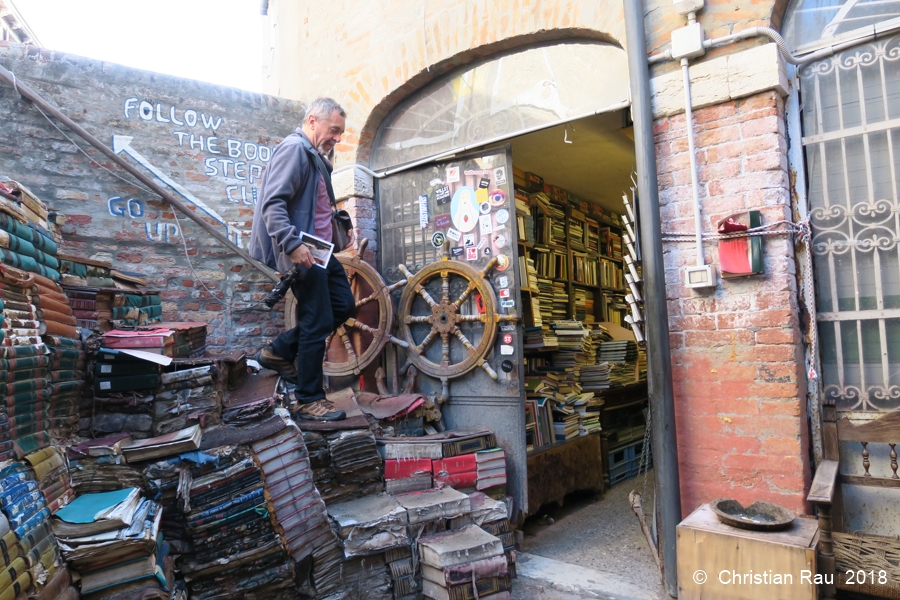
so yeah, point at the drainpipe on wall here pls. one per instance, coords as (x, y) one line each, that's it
(659, 359)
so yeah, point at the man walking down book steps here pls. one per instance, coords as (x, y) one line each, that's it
(297, 198)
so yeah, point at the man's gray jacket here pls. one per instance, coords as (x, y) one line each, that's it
(288, 202)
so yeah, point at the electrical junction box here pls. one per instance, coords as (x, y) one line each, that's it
(700, 276)
(687, 41)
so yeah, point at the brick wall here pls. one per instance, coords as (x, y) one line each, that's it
(370, 56)
(737, 361)
(211, 142)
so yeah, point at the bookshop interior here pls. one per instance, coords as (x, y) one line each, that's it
(564, 386)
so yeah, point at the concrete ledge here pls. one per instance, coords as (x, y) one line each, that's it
(739, 75)
(353, 183)
(576, 582)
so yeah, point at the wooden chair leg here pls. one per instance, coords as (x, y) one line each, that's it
(825, 553)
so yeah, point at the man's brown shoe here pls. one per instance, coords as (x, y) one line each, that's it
(269, 360)
(320, 410)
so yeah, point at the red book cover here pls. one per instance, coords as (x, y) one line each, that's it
(458, 480)
(159, 338)
(405, 468)
(456, 464)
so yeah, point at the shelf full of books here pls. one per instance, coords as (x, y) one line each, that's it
(565, 382)
(572, 250)
(565, 386)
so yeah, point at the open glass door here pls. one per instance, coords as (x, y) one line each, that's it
(452, 227)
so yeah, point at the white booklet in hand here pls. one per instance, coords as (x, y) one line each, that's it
(319, 248)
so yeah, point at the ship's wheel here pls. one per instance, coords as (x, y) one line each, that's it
(356, 343)
(442, 291)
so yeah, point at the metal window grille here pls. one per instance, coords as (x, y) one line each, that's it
(851, 120)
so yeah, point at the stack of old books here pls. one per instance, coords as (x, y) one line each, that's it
(328, 557)
(84, 308)
(490, 470)
(540, 337)
(362, 577)
(188, 395)
(595, 378)
(370, 525)
(28, 546)
(17, 201)
(143, 394)
(24, 374)
(575, 348)
(132, 309)
(618, 351)
(27, 245)
(170, 444)
(560, 304)
(78, 272)
(67, 358)
(48, 468)
(464, 564)
(67, 381)
(97, 465)
(590, 420)
(492, 515)
(288, 475)
(106, 308)
(164, 475)
(328, 567)
(458, 472)
(352, 469)
(234, 549)
(156, 340)
(429, 511)
(407, 475)
(189, 337)
(402, 569)
(112, 540)
(566, 423)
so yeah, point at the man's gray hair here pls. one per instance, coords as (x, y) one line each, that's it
(322, 108)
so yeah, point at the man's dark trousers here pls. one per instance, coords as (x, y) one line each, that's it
(324, 302)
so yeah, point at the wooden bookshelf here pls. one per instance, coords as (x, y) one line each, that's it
(547, 252)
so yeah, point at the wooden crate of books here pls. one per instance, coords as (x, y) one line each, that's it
(559, 469)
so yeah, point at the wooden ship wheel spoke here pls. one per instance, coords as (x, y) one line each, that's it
(359, 340)
(446, 316)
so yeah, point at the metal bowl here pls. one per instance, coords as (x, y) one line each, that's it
(759, 516)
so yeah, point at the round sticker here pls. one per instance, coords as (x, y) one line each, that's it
(502, 215)
(500, 240)
(464, 209)
(506, 366)
(497, 198)
(486, 251)
(502, 262)
(484, 207)
(507, 338)
(438, 239)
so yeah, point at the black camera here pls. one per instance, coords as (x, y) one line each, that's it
(297, 273)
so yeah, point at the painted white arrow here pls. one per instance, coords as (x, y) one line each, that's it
(122, 143)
